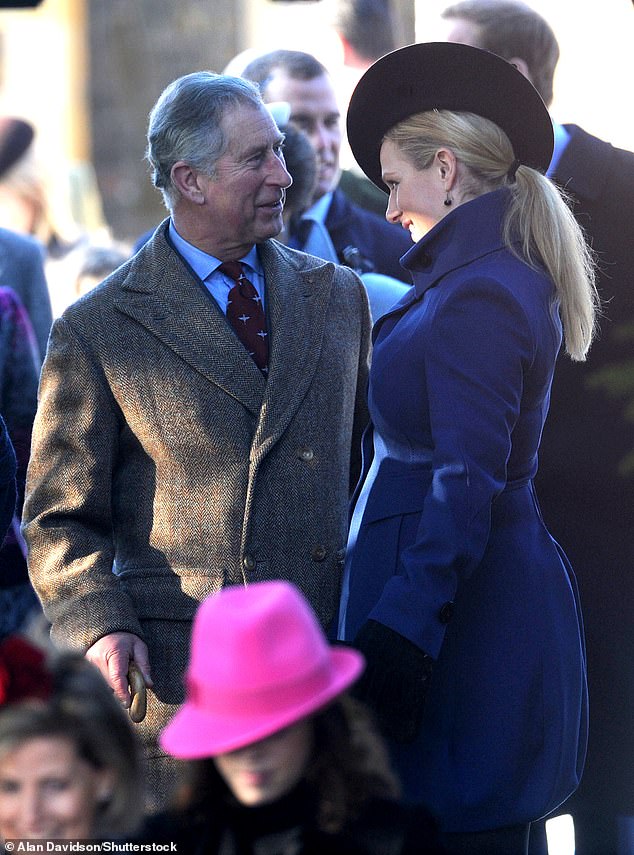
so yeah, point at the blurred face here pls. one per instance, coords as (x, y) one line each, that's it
(48, 791)
(242, 201)
(315, 111)
(267, 770)
(416, 195)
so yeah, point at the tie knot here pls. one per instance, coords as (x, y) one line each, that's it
(233, 269)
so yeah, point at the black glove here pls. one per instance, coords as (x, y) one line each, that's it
(395, 681)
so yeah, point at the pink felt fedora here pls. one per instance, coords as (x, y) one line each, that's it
(259, 662)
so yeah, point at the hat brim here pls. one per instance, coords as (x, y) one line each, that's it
(194, 733)
(447, 76)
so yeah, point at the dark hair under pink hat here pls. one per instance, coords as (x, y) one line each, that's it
(259, 662)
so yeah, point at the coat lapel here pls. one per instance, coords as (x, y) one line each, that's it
(162, 295)
(298, 296)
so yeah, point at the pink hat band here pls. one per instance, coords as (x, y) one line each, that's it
(259, 662)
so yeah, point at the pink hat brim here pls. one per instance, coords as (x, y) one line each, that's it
(194, 733)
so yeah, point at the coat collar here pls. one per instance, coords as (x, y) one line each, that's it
(162, 294)
(469, 232)
(584, 165)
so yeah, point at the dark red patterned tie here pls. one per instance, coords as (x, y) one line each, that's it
(246, 316)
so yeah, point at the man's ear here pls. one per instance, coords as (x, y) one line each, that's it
(186, 180)
(522, 66)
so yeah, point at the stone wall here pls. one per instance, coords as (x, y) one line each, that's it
(135, 49)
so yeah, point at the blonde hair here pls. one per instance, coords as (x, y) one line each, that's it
(538, 217)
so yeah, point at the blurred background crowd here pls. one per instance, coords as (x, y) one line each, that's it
(85, 74)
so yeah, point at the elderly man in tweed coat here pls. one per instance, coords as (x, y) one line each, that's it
(165, 463)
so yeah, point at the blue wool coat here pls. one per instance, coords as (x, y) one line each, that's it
(447, 543)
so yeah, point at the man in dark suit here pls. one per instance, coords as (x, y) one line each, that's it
(22, 269)
(337, 229)
(166, 461)
(585, 488)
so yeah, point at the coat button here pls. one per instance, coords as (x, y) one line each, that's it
(446, 612)
(318, 553)
(306, 454)
(248, 562)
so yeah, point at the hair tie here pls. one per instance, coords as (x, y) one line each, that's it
(511, 174)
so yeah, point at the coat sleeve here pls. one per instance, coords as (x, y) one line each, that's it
(478, 344)
(67, 518)
(7, 481)
(19, 375)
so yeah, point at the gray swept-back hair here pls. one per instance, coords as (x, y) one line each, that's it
(186, 124)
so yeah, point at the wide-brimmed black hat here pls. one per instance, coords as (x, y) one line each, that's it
(447, 76)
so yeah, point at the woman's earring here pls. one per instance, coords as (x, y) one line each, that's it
(448, 200)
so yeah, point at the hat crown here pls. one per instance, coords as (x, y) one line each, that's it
(446, 76)
(248, 639)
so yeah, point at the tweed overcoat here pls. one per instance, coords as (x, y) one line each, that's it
(161, 453)
(448, 546)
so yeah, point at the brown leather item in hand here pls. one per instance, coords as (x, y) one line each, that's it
(138, 705)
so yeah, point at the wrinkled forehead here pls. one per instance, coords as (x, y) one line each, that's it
(247, 128)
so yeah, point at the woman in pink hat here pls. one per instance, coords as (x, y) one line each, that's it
(281, 761)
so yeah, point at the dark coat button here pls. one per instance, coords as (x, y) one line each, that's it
(306, 454)
(318, 553)
(248, 562)
(446, 612)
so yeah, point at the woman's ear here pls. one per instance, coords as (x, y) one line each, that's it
(186, 180)
(446, 164)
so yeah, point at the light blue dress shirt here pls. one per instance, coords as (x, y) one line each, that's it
(561, 141)
(206, 266)
(318, 241)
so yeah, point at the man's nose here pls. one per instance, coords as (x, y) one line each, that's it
(323, 137)
(278, 174)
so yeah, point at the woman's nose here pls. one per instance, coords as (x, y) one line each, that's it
(392, 212)
(31, 813)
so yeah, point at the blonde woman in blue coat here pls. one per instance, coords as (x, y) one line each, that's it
(462, 602)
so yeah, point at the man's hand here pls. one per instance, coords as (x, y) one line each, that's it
(112, 655)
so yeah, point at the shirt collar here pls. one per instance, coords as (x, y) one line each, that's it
(319, 210)
(204, 264)
(562, 138)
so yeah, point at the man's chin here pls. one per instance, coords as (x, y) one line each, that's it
(272, 230)
(327, 184)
